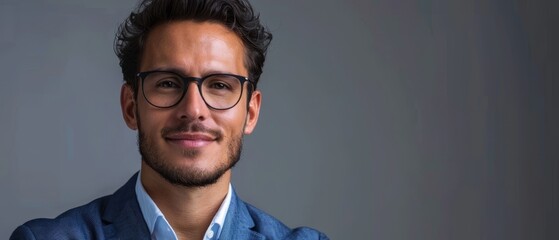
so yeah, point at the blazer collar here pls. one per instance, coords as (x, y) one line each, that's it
(238, 222)
(123, 217)
(124, 220)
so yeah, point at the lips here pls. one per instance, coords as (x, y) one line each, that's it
(190, 140)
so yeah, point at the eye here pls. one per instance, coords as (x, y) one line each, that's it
(219, 85)
(167, 83)
(221, 82)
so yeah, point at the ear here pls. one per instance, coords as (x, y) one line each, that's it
(128, 106)
(253, 112)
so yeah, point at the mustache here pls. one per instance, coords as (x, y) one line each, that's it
(192, 127)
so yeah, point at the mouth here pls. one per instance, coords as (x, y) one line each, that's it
(190, 140)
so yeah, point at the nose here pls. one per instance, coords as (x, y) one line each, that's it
(192, 105)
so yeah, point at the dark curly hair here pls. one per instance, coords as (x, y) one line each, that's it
(237, 15)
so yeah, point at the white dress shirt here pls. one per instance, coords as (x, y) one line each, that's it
(158, 226)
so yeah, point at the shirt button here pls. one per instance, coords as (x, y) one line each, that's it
(210, 234)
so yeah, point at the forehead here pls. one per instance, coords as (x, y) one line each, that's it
(193, 48)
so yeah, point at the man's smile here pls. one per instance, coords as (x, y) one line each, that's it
(190, 139)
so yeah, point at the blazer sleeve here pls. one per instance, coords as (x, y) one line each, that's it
(22, 232)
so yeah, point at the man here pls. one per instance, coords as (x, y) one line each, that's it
(190, 70)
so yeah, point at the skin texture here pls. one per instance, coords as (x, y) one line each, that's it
(190, 140)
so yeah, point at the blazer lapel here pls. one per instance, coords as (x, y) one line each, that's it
(124, 220)
(238, 222)
(123, 217)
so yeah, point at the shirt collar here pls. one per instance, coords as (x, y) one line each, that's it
(156, 221)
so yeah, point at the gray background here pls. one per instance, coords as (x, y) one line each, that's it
(381, 119)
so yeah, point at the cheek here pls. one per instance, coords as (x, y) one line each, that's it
(150, 120)
(232, 120)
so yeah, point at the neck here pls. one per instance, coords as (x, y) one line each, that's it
(189, 210)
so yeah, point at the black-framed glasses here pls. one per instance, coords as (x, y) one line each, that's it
(165, 89)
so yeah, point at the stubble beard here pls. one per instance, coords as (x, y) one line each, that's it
(187, 176)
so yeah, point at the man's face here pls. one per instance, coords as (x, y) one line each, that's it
(191, 144)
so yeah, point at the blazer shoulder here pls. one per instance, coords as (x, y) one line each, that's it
(268, 225)
(110, 215)
(264, 222)
(306, 233)
(83, 222)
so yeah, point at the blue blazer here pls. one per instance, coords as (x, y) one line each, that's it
(118, 216)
